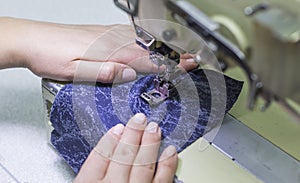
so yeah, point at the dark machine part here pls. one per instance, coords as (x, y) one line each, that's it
(268, 34)
(131, 7)
(205, 28)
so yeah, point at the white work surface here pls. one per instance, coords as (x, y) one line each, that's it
(24, 151)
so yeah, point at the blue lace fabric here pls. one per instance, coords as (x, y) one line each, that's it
(83, 112)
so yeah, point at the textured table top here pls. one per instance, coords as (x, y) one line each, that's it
(24, 150)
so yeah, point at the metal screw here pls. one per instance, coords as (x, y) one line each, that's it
(169, 34)
(251, 10)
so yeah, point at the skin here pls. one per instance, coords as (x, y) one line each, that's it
(56, 51)
(75, 52)
(95, 53)
(128, 154)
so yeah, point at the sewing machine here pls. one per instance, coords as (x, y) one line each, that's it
(254, 41)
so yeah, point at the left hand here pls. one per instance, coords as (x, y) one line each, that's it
(57, 51)
(67, 52)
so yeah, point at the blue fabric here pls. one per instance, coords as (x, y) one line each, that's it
(83, 112)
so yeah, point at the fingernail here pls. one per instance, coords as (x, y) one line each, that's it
(152, 127)
(190, 60)
(169, 151)
(118, 129)
(128, 74)
(139, 118)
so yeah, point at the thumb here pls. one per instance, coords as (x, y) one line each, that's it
(104, 72)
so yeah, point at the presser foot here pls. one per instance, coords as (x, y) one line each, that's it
(162, 91)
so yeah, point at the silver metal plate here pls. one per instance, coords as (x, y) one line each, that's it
(256, 154)
(154, 97)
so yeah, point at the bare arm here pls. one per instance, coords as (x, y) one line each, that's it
(60, 51)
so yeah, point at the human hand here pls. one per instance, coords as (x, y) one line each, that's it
(61, 52)
(129, 154)
(74, 52)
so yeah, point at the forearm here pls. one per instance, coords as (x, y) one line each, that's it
(27, 43)
(57, 50)
(9, 44)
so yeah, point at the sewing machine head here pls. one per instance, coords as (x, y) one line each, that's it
(165, 41)
(261, 38)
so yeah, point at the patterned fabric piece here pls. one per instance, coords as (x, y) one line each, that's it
(82, 113)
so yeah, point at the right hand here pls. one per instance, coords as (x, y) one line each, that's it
(128, 155)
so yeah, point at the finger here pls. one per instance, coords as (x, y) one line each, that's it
(135, 57)
(145, 161)
(127, 149)
(187, 62)
(166, 167)
(95, 166)
(143, 65)
(105, 72)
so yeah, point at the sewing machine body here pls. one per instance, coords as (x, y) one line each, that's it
(269, 39)
(260, 37)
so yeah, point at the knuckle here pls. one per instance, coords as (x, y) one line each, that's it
(107, 72)
(125, 153)
(103, 152)
(128, 150)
